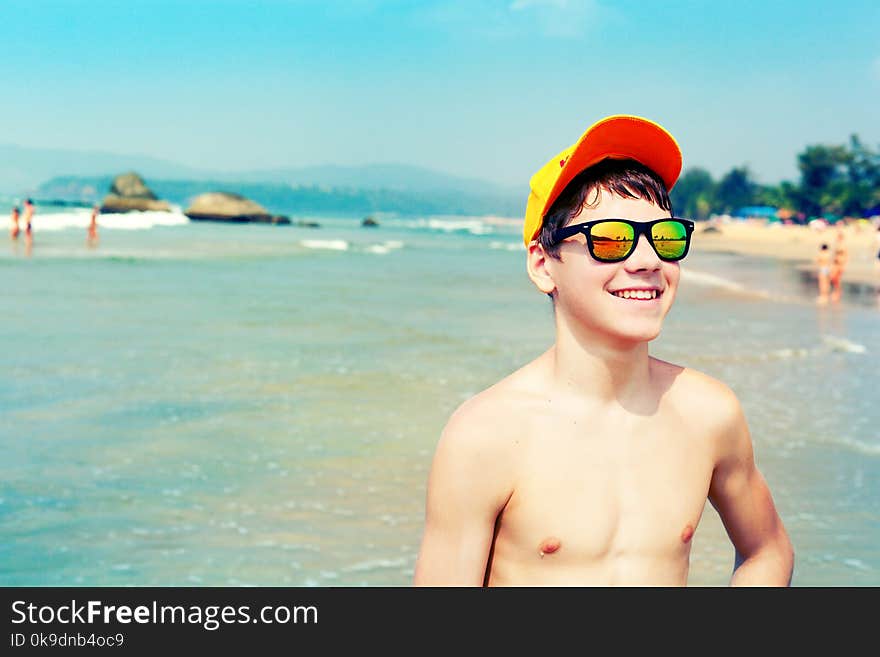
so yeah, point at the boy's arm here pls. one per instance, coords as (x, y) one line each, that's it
(738, 491)
(466, 492)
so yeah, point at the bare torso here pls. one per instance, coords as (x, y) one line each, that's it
(601, 498)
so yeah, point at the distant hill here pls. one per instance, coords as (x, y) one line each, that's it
(23, 169)
(400, 177)
(287, 199)
(61, 175)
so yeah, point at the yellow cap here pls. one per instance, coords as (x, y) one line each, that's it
(621, 137)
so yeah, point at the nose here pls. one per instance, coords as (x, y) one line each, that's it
(643, 257)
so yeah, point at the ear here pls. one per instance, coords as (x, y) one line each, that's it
(539, 267)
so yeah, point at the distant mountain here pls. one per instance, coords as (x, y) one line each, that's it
(399, 177)
(72, 176)
(23, 169)
(280, 198)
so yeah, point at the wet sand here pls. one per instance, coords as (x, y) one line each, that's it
(795, 243)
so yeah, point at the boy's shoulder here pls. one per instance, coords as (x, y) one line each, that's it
(702, 400)
(495, 417)
(500, 403)
(691, 381)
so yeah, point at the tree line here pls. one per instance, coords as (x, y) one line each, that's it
(835, 181)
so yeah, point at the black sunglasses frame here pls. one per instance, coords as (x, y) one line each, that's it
(639, 228)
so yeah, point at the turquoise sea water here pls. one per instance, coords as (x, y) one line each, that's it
(203, 404)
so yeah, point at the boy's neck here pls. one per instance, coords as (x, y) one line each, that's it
(600, 368)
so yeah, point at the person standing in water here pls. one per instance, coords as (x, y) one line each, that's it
(823, 262)
(28, 226)
(877, 246)
(92, 235)
(14, 230)
(838, 264)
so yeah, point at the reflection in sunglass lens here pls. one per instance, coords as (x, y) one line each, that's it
(670, 239)
(612, 240)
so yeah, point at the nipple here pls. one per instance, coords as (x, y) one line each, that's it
(549, 546)
(687, 534)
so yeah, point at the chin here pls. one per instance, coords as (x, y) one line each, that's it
(645, 336)
(637, 332)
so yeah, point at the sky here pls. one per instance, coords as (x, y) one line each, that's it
(476, 88)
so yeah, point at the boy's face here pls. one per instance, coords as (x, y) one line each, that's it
(585, 287)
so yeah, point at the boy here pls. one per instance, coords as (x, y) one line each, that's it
(591, 465)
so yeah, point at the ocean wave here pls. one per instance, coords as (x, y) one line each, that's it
(507, 246)
(777, 354)
(842, 344)
(333, 245)
(384, 247)
(79, 218)
(457, 225)
(712, 280)
(868, 449)
(375, 564)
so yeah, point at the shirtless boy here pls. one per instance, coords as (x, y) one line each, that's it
(592, 464)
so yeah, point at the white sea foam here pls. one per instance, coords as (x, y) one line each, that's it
(513, 222)
(384, 247)
(711, 280)
(859, 446)
(332, 245)
(782, 354)
(507, 246)
(475, 226)
(842, 344)
(375, 564)
(80, 218)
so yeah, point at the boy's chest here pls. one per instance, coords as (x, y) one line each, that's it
(631, 491)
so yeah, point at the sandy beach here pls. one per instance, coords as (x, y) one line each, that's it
(796, 243)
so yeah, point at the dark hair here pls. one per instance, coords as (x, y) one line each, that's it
(626, 178)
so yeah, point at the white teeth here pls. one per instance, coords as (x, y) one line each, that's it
(637, 294)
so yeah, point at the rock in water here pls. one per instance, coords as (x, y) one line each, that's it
(129, 193)
(224, 206)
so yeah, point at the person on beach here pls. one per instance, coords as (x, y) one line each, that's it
(823, 262)
(592, 464)
(14, 229)
(838, 265)
(28, 211)
(877, 246)
(28, 226)
(92, 233)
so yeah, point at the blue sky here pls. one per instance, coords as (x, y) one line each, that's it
(488, 89)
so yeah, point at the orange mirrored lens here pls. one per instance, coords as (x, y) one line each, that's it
(612, 240)
(669, 238)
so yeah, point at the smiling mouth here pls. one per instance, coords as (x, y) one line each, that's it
(637, 295)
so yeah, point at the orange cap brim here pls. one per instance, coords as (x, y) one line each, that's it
(617, 137)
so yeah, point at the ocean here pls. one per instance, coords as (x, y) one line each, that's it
(210, 404)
